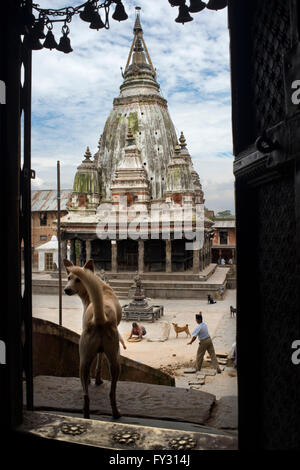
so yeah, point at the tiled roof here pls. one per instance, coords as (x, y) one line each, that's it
(224, 223)
(46, 199)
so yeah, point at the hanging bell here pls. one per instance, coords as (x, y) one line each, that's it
(120, 13)
(97, 23)
(50, 42)
(31, 41)
(184, 16)
(196, 6)
(216, 4)
(88, 13)
(38, 28)
(176, 3)
(64, 42)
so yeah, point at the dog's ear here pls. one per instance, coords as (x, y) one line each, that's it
(89, 265)
(67, 264)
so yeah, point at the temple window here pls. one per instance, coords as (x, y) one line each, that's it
(43, 218)
(223, 237)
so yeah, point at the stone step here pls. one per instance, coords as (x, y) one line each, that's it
(163, 276)
(133, 398)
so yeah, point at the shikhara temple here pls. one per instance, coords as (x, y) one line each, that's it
(139, 158)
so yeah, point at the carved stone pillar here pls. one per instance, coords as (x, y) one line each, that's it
(220, 257)
(114, 254)
(206, 253)
(82, 253)
(168, 256)
(141, 256)
(210, 251)
(196, 261)
(73, 252)
(64, 249)
(201, 266)
(88, 249)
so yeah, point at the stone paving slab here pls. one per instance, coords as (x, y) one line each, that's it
(190, 371)
(134, 399)
(198, 382)
(225, 413)
(209, 372)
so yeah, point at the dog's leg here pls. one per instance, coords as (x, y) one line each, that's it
(113, 356)
(115, 372)
(87, 351)
(84, 372)
(98, 380)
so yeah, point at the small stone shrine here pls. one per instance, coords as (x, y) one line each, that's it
(139, 308)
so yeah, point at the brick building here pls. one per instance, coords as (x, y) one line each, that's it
(43, 216)
(224, 242)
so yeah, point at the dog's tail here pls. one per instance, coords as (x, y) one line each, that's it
(94, 287)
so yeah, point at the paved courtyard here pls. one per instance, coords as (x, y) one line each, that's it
(173, 355)
(156, 354)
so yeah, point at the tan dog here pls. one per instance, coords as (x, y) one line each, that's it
(102, 313)
(180, 329)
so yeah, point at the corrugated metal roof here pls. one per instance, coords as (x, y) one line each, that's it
(224, 224)
(46, 199)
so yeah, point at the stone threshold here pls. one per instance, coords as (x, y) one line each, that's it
(116, 435)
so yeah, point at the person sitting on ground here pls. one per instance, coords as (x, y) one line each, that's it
(137, 330)
(210, 300)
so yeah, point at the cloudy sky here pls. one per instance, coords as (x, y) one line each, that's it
(73, 93)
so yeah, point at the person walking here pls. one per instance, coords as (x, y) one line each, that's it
(205, 344)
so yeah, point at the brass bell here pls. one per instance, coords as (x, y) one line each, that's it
(32, 41)
(38, 28)
(88, 13)
(196, 6)
(64, 42)
(120, 13)
(50, 42)
(184, 16)
(97, 22)
(216, 4)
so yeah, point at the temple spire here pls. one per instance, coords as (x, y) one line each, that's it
(137, 24)
(138, 55)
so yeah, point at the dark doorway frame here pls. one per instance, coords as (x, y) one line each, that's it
(15, 191)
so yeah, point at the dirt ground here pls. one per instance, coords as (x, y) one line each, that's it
(174, 352)
(173, 355)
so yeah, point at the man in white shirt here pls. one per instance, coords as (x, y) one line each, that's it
(205, 344)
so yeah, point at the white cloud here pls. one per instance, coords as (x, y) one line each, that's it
(73, 93)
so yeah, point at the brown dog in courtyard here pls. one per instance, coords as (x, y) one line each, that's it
(180, 329)
(102, 313)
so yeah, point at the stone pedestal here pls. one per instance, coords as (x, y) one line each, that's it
(168, 256)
